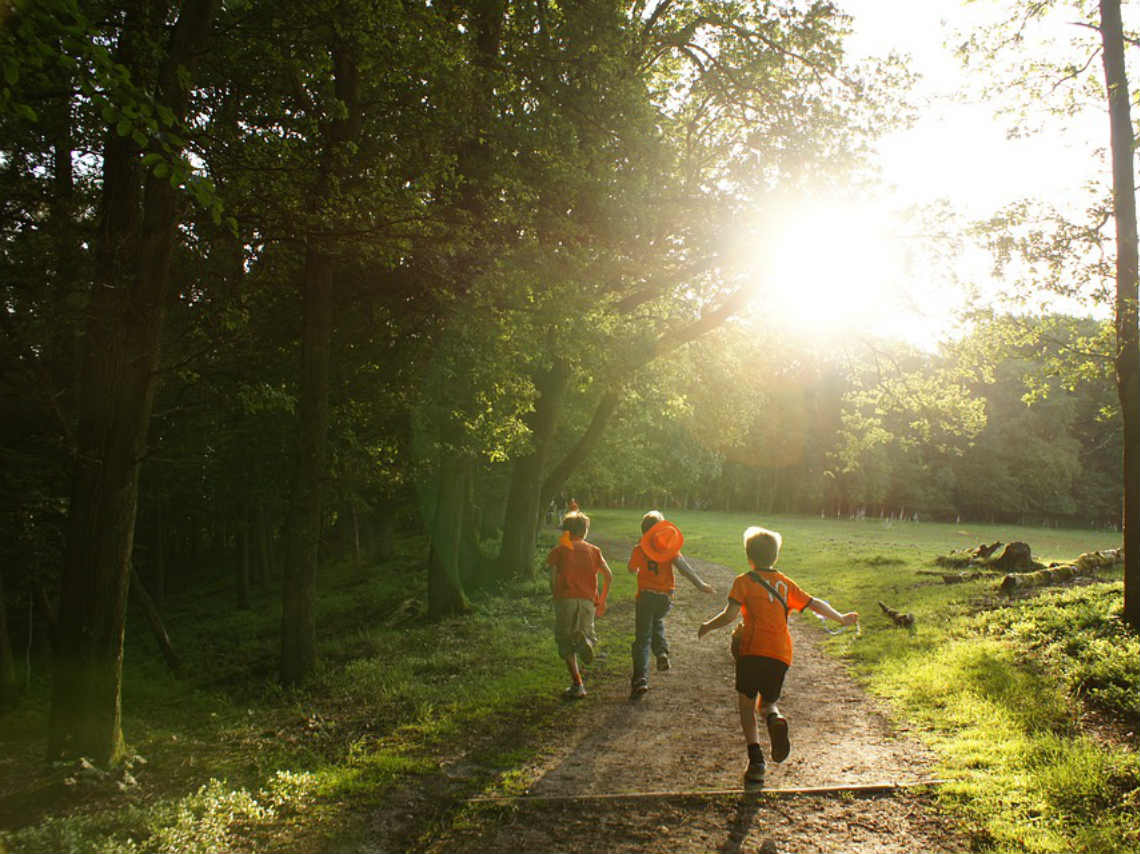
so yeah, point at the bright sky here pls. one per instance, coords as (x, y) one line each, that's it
(866, 279)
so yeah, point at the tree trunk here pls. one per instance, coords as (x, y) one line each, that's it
(357, 558)
(157, 628)
(119, 373)
(582, 448)
(303, 530)
(526, 497)
(159, 581)
(298, 626)
(446, 595)
(264, 546)
(7, 661)
(1127, 334)
(244, 570)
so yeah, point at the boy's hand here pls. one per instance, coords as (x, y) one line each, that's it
(850, 619)
(707, 588)
(600, 610)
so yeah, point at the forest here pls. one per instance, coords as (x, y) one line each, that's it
(294, 286)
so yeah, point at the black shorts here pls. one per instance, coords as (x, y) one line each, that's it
(758, 674)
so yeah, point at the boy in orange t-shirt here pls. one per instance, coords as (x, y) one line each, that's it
(765, 596)
(652, 560)
(574, 568)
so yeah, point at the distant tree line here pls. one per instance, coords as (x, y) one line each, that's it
(984, 429)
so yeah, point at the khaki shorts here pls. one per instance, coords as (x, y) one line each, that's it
(570, 616)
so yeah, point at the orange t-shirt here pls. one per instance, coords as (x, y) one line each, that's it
(765, 624)
(651, 575)
(578, 565)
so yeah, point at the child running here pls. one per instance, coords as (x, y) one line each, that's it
(765, 596)
(652, 560)
(574, 567)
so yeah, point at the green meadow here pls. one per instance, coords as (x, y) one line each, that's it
(1030, 705)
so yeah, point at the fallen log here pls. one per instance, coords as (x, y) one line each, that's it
(1039, 578)
(905, 621)
(1105, 559)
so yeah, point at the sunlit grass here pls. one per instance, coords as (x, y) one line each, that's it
(997, 688)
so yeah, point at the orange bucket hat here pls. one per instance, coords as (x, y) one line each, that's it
(662, 542)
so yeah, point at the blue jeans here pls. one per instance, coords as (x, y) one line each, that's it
(649, 630)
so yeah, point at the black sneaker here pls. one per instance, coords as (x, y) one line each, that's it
(778, 732)
(663, 662)
(754, 773)
(638, 688)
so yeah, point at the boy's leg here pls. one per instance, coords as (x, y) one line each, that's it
(577, 689)
(564, 616)
(772, 685)
(642, 630)
(754, 773)
(747, 707)
(659, 643)
(583, 636)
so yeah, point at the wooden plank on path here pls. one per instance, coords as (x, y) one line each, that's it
(788, 790)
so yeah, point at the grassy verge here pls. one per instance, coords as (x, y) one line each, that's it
(1029, 703)
(404, 719)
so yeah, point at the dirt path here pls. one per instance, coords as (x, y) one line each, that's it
(684, 737)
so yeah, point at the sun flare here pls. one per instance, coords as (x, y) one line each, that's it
(835, 271)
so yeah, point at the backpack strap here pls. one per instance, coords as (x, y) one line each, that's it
(759, 579)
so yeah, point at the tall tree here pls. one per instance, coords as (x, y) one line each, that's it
(1070, 251)
(1127, 359)
(138, 216)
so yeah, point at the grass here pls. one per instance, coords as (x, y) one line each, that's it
(413, 717)
(234, 762)
(1007, 692)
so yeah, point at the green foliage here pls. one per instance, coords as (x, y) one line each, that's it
(1079, 636)
(203, 821)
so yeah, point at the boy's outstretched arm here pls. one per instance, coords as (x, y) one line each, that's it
(691, 574)
(607, 580)
(824, 609)
(730, 612)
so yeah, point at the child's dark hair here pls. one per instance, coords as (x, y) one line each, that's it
(762, 546)
(650, 519)
(576, 522)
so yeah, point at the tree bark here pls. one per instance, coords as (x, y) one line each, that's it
(526, 496)
(303, 530)
(582, 448)
(244, 572)
(446, 595)
(1127, 333)
(133, 250)
(157, 628)
(7, 660)
(298, 626)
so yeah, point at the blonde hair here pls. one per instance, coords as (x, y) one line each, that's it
(650, 519)
(577, 523)
(762, 546)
